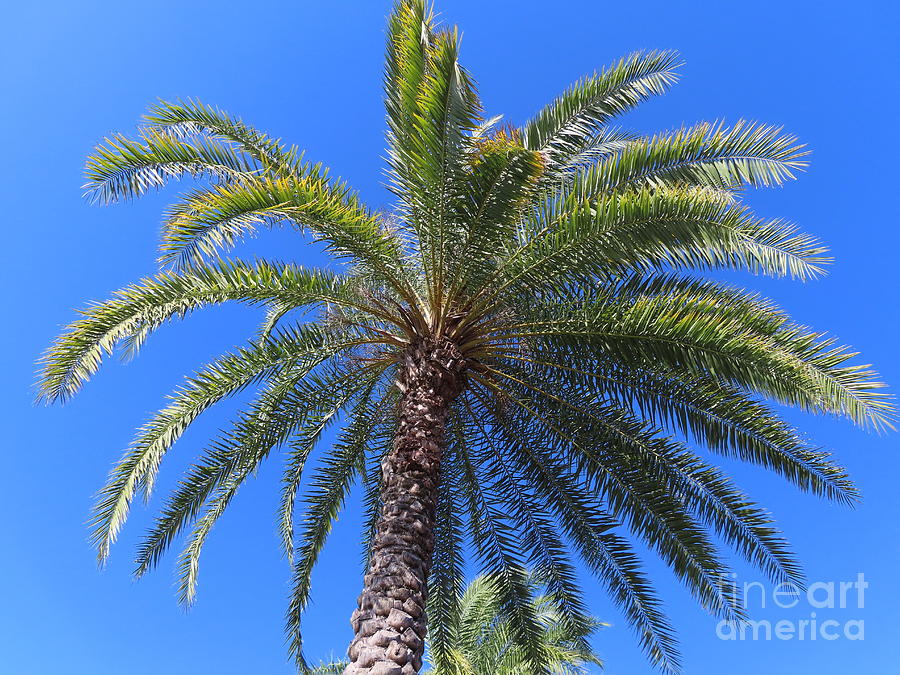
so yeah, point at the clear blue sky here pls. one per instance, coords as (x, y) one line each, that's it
(310, 73)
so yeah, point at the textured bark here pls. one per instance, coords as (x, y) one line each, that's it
(390, 622)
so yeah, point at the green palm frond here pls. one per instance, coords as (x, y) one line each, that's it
(590, 531)
(125, 169)
(547, 555)
(665, 522)
(329, 486)
(284, 413)
(447, 580)
(288, 405)
(143, 307)
(712, 155)
(655, 230)
(718, 416)
(333, 668)
(448, 111)
(696, 336)
(185, 119)
(305, 442)
(210, 221)
(709, 495)
(409, 35)
(493, 537)
(296, 354)
(483, 641)
(495, 196)
(564, 127)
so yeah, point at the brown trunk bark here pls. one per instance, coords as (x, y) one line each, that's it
(390, 623)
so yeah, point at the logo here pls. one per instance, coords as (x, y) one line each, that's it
(817, 613)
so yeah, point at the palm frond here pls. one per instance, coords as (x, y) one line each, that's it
(695, 336)
(589, 528)
(548, 557)
(184, 119)
(447, 579)
(287, 406)
(122, 168)
(484, 642)
(143, 307)
(211, 221)
(494, 197)
(609, 458)
(298, 353)
(448, 112)
(718, 416)
(703, 489)
(653, 230)
(355, 434)
(329, 486)
(494, 541)
(563, 128)
(711, 155)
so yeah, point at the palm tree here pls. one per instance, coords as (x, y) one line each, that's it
(483, 638)
(525, 357)
(483, 641)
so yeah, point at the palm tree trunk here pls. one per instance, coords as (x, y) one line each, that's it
(390, 623)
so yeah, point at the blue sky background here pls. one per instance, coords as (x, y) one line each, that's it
(71, 73)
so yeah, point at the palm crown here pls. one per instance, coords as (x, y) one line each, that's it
(524, 356)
